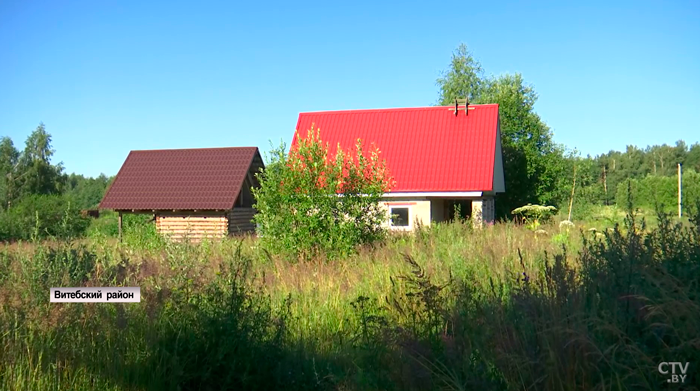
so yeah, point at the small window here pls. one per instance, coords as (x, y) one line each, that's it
(399, 217)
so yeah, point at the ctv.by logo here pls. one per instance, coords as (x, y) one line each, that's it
(675, 377)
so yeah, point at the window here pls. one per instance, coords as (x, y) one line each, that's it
(399, 217)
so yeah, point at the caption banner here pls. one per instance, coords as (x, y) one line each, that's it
(96, 295)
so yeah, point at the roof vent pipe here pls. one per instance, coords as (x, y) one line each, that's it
(465, 108)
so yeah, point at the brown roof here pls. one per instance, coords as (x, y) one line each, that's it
(182, 179)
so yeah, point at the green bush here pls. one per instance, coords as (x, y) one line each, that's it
(312, 203)
(107, 225)
(138, 230)
(42, 216)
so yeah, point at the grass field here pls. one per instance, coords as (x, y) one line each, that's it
(444, 308)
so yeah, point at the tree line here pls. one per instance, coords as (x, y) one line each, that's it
(38, 199)
(540, 171)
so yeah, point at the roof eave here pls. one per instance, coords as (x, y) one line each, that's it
(437, 194)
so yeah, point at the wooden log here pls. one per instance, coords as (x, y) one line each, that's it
(180, 226)
(240, 220)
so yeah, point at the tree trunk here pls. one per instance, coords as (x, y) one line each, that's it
(573, 188)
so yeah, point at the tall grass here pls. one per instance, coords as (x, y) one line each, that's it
(445, 308)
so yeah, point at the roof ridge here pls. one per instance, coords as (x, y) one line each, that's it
(394, 109)
(189, 149)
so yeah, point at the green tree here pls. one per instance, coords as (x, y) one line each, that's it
(9, 157)
(87, 192)
(693, 157)
(533, 163)
(463, 79)
(313, 202)
(36, 173)
(589, 188)
(637, 163)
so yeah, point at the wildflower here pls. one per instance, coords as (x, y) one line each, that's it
(525, 278)
(566, 224)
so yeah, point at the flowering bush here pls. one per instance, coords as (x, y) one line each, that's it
(313, 202)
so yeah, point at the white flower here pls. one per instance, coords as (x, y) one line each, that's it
(566, 224)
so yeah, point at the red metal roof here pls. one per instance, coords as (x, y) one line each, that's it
(182, 179)
(427, 149)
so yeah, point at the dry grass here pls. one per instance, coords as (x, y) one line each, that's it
(444, 308)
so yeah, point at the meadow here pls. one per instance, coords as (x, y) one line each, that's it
(447, 307)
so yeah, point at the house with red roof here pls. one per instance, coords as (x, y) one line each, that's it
(191, 193)
(444, 159)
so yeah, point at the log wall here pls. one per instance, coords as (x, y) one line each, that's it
(194, 226)
(240, 221)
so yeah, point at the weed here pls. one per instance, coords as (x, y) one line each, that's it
(447, 308)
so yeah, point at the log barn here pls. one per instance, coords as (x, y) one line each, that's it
(192, 193)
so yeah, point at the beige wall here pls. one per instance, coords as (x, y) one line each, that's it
(483, 211)
(477, 211)
(419, 212)
(426, 211)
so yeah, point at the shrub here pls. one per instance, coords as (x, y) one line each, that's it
(139, 231)
(42, 216)
(313, 203)
(107, 225)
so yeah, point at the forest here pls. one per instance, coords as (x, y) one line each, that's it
(40, 200)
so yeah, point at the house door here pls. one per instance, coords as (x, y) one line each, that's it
(463, 207)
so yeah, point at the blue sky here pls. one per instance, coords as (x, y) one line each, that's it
(110, 76)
